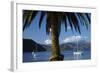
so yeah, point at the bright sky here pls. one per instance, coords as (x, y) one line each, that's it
(40, 36)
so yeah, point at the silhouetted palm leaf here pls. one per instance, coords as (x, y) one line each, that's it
(74, 19)
(48, 23)
(64, 20)
(28, 16)
(87, 14)
(41, 18)
(70, 21)
(85, 19)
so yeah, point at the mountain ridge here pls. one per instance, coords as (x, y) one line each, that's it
(29, 45)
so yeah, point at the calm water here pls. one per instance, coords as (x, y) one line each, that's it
(44, 56)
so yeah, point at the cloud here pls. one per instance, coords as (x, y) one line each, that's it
(73, 38)
(48, 41)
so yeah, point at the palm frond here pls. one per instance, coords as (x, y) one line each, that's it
(70, 21)
(87, 14)
(41, 18)
(64, 20)
(48, 23)
(84, 19)
(28, 16)
(75, 22)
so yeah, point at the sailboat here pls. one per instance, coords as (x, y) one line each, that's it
(77, 54)
(34, 52)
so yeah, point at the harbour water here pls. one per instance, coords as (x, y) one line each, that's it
(44, 56)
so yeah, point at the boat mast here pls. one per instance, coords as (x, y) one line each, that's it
(36, 47)
(76, 44)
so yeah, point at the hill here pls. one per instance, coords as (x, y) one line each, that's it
(30, 45)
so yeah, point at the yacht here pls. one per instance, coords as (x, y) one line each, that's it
(78, 53)
(34, 52)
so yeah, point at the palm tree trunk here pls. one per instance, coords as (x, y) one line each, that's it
(56, 54)
(55, 44)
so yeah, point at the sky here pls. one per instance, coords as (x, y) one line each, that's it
(39, 35)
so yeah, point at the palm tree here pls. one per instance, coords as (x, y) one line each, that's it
(54, 20)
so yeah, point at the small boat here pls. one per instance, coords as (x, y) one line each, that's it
(34, 52)
(78, 53)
